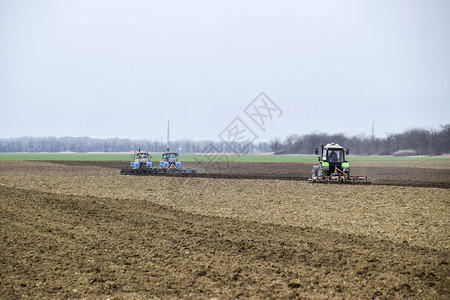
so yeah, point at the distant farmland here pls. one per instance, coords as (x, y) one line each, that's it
(201, 157)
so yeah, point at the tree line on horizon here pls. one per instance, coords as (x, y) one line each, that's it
(87, 144)
(410, 142)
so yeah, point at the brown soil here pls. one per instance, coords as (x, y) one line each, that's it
(74, 230)
(398, 173)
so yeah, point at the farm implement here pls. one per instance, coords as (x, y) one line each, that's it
(143, 166)
(333, 168)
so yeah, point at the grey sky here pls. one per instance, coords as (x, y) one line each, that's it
(123, 68)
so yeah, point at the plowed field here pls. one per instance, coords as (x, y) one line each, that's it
(247, 230)
(399, 173)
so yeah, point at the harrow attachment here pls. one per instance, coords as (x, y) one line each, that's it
(156, 171)
(339, 177)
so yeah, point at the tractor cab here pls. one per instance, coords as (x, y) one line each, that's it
(141, 155)
(170, 160)
(332, 156)
(141, 159)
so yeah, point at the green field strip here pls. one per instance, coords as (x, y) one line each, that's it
(66, 156)
(202, 157)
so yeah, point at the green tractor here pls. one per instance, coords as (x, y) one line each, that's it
(333, 166)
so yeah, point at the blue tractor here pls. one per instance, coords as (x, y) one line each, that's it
(141, 164)
(170, 160)
(170, 163)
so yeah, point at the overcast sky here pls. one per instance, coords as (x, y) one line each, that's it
(124, 68)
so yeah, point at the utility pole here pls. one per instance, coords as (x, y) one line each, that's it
(168, 134)
(373, 130)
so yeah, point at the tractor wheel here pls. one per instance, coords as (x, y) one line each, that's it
(315, 171)
(322, 172)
